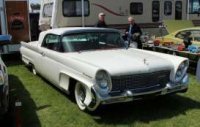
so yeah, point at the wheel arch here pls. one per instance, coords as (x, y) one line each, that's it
(68, 81)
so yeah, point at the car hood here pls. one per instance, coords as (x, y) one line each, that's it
(123, 61)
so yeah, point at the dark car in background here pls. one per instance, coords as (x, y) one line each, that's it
(4, 88)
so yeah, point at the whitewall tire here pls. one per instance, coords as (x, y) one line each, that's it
(33, 70)
(80, 95)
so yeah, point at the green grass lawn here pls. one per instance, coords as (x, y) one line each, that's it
(45, 106)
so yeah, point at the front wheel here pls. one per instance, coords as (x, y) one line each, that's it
(80, 95)
(33, 70)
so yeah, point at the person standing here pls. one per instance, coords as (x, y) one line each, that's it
(187, 40)
(101, 20)
(133, 32)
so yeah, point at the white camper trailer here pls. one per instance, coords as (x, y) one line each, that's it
(148, 13)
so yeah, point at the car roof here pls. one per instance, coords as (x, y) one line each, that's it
(190, 28)
(61, 31)
(71, 30)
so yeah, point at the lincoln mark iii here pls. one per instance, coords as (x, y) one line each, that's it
(96, 66)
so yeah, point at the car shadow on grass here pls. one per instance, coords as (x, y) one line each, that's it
(145, 110)
(12, 59)
(158, 108)
(25, 115)
(152, 109)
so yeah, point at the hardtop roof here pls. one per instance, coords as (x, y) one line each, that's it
(61, 31)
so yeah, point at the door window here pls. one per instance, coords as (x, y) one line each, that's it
(47, 10)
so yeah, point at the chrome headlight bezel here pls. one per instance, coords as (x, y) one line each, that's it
(181, 71)
(103, 82)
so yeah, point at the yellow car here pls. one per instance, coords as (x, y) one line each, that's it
(178, 36)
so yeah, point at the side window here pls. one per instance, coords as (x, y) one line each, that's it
(181, 34)
(136, 8)
(51, 42)
(168, 8)
(196, 35)
(47, 10)
(73, 8)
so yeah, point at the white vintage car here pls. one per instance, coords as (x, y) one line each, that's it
(95, 65)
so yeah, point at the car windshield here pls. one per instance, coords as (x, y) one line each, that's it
(92, 41)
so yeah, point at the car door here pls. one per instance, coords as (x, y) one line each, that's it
(49, 66)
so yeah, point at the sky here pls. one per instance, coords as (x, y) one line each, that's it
(34, 1)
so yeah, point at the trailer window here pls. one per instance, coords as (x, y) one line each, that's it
(73, 8)
(155, 11)
(168, 8)
(194, 6)
(178, 10)
(47, 10)
(136, 8)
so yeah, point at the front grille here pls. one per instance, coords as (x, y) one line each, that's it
(140, 82)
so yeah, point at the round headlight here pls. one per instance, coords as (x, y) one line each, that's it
(181, 71)
(103, 82)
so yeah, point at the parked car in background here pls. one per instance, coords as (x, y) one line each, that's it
(95, 65)
(178, 36)
(4, 88)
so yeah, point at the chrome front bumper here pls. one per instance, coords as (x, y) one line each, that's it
(128, 95)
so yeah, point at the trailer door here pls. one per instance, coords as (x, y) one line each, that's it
(155, 11)
(178, 10)
(18, 20)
